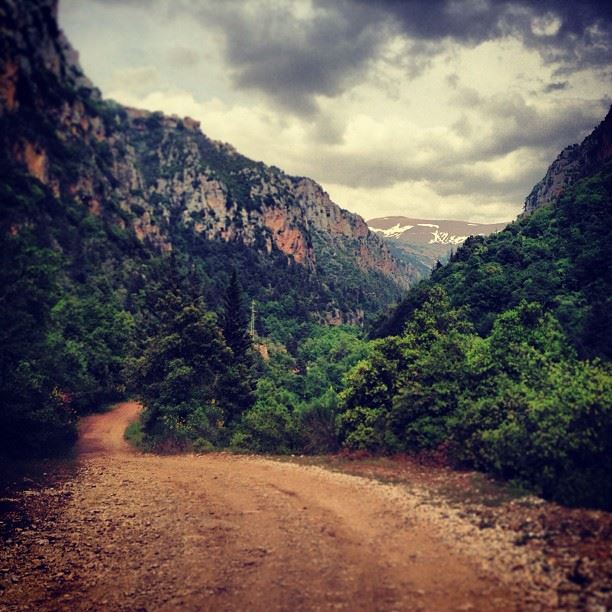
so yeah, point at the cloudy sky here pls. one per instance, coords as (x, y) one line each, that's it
(436, 109)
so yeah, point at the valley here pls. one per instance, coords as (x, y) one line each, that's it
(425, 242)
(221, 390)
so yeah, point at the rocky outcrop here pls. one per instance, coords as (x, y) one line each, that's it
(573, 163)
(36, 56)
(158, 171)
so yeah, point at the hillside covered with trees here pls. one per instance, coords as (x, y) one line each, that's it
(132, 247)
(502, 357)
(501, 360)
(115, 222)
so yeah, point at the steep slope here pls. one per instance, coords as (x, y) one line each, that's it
(559, 255)
(114, 223)
(501, 359)
(424, 242)
(573, 163)
(161, 181)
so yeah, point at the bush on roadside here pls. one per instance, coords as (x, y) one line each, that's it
(517, 404)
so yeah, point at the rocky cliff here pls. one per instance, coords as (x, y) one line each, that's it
(155, 175)
(573, 163)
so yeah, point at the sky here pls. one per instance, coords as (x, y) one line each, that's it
(444, 109)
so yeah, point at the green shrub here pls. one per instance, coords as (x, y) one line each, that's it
(268, 427)
(517, 404)
(363, 428)
(318, 424)
(135, 435)
(557, 438)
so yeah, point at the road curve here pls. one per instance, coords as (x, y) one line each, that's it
(102, 434)
(228, 532)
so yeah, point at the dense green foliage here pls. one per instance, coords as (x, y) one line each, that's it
(183, 375)
(35, 413)
(517, 403)
(558, 256)
(400, 398)
(85, 303)
(502, 356)
(82, 295)
(297, 396)
(63, 340)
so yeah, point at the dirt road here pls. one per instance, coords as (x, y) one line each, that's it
(226, 532)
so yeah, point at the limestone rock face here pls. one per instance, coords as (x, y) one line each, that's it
(573, 163)
(162, 180)
(161, 172)
(32, 43)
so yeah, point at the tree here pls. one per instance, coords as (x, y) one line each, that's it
(234, 320)
(181, 372)
(531, 411)
(239, 381)
(35, 415)
(92, 337)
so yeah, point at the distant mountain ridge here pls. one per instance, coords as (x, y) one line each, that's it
(423, 242)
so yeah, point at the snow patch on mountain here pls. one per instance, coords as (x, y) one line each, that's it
(392, 232)
(446, 238)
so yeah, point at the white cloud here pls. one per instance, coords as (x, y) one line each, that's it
(433, 129)
(142, 78)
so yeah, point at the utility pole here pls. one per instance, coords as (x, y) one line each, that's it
(252, 323)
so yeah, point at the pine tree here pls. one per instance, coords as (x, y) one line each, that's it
(181, 374)
(239, 380)
(234, 320)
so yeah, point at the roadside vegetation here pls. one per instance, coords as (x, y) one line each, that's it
(499, 361)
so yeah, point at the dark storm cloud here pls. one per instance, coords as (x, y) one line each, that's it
(294, 57)
(292, 54)
(295, 54)
(575, 34)
(478, 20)
(290, 57)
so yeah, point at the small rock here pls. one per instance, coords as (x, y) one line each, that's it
(581, 573)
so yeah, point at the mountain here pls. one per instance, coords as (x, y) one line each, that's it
(557, 255)
(120, 232)
(424, 242)
(160, 183)
(500, 360)
(573, 163)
